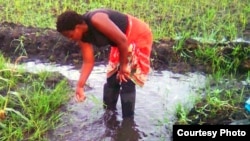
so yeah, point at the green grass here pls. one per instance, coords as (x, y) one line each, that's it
(32, 107)
(224, 99)
(213, 19)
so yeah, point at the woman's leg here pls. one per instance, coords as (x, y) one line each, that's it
(128, 96)
(111, 92)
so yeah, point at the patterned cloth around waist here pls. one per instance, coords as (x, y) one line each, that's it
(139, 52)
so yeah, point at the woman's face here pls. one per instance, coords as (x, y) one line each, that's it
(75, 35)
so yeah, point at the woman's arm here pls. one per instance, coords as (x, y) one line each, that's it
(103, 24)
(87, 67)
(88, 62)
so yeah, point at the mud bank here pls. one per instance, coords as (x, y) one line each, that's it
(47, 45)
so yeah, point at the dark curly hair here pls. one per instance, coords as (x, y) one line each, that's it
(68, 20)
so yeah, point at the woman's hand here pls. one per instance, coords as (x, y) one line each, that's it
(80, 96)
(123, 73)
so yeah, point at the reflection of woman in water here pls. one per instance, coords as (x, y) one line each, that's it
(129, 61)
(125, 130)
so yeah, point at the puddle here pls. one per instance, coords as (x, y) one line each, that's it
(154, 111)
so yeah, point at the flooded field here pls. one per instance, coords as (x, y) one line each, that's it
(154, 111)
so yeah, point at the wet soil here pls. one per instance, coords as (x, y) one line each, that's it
(48, 46)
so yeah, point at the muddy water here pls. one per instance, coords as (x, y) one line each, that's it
(154, 112)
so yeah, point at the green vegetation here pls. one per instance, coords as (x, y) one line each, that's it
(212, 20)
(222, 103)
(30, 107)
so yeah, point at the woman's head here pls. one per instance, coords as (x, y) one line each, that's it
(70, 23)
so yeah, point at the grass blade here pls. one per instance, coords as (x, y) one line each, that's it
(18, 113)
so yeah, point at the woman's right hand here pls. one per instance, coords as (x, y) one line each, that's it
(80, 96)
(123, 73)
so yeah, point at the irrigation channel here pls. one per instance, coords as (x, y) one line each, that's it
(154, 111)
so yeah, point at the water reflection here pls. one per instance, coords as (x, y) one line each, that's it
(124, 130)
(155, 107)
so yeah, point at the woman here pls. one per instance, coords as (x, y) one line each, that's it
(130, 40)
